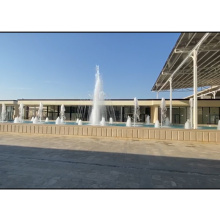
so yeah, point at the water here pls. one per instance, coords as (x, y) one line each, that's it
(58, 121)
(98, 100)
(62, 114)
(177, 126)
(35, 121)
(187, 124)
(20, 118)
(16, 120)
(157, 124)
(128, 123)
(110, 121)
(102, 122)
(218, 127)
(3, 114)
(163, 111)
(61, 119)
(148, 120)
(136, 111)
(21, 113)
(40, 112)
(167, 122)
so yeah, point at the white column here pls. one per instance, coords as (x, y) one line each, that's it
(171, 100)
(214, 93)
(195, 110)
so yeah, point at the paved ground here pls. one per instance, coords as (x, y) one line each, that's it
(40, 161)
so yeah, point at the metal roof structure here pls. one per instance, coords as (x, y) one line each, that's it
(179, 65)
(212, 92)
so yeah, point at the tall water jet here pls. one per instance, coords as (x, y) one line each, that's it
(218, 127)
(98, 100)
(62, 114)
(191, 112)
(40, 111)
(3, 114)
(21, 113)
(163, 111)
(128, 123)
(147, 120)
(136, 111)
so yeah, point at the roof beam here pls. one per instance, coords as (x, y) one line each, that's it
(188, 56)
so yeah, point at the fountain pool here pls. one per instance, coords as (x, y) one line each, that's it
(122, 124)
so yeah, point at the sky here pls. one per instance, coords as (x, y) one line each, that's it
(63, 65)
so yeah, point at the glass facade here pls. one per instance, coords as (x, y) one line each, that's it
(206, 115)
(9, 112)
(118, 113)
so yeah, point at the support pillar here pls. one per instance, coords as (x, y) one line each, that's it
(195, 107)
(214, 94)
(171, 100)
(154, 114)
(122, 113)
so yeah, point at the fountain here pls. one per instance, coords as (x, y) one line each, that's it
(136, 111)
(167, 122)
(47, 119)
(187, 124)
(3, 114)
(58, 121)
(191, 112)
(62, 114)
(128, 123)
(157, 124)
(98, 101)
(218, 127)
(40, 111)
(110, 121)
(32, 119)
(163, 111)
(80, 122)
(20, 118)
(102, 122)
(21, 113)
(35, 121)
(147, 120)
(16, 120)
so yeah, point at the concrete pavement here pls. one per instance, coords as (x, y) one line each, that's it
(41, 161)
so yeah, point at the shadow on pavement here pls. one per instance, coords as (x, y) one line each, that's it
(42, 168)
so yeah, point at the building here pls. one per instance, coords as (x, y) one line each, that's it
(194, 63)
(119, 109)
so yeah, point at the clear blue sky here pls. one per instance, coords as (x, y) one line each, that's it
(62, 65)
